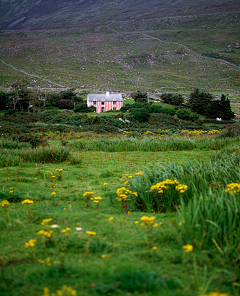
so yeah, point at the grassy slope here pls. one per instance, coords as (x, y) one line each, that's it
(97, 57)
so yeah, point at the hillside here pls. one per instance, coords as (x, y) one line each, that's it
(18, 14)
(121, 45)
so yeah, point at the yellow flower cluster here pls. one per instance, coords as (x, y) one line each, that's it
(96, 199)
(27, 201)
(45, 221)
(181, 188)
(233, 188)
(45, 233)
(163, 185)
(122, 193)
(147, 220)
(30, 243)
(60, 292)
(4, 203)
(201, 132)
(88, 194)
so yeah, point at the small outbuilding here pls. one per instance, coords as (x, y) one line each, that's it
(105, 102)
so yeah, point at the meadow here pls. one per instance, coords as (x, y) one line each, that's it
(105, 214)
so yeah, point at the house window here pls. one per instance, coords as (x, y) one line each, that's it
(102, 103)
(114, 103)
(102, 109)
(94, 103)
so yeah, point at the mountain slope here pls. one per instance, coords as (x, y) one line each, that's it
(18, 14)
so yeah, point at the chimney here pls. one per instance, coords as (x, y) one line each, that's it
(107, 93)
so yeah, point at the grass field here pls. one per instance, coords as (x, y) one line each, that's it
(90, 248)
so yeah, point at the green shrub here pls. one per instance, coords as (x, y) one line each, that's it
(155, 109)
(187, 115)
(141, 114)
(168, 111)
(33, 139)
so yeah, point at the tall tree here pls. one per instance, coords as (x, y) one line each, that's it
(200, 101)
(221, 109)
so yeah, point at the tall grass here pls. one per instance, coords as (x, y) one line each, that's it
(45, 154)
(211, 220)
(153, 144)
(10, 144)
(198, 176)
(10, 157)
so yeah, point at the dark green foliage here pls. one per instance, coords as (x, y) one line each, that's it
(139, 97)
(32, 139)
(173, 99)
(155, 109)
(68, 95)
(200, 101)
(168, 111)
(187, 115)
(141, 114)
(11, 112)
(131, 107)
(83, 108)
(5, 100)
(221, 109)
(65, 104)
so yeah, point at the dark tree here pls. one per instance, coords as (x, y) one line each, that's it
(173, 99)
(200, 101)
(139, 97)
(221, 109)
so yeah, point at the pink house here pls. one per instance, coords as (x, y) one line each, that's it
(105, 102)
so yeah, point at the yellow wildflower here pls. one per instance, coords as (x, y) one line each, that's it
(106, 256)
(91, 232)
(188, 248)
(110, 219)
(45, 221)
(147, 220)
(27, 201)
(154, 248)
(4, 203)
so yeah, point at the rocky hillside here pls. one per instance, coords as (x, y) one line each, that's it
(19, 14)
